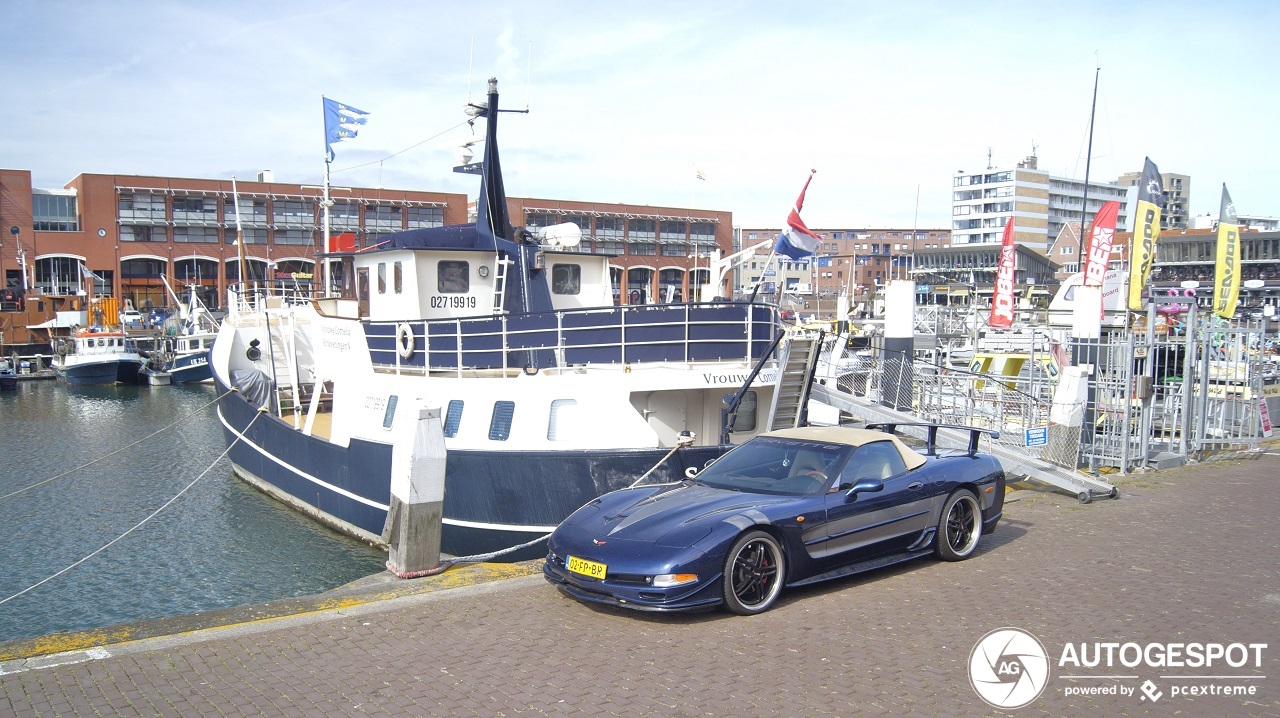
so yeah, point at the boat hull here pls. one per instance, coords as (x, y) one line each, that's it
(489, 505)
(189, 369)
(97, 372)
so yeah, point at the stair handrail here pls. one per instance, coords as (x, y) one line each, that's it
(729, 412)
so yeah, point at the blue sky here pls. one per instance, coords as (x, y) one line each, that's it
(885, 100)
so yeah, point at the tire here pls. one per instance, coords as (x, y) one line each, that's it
(959, 527)
(754, 572)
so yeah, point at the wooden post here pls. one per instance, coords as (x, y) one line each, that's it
(415, 518)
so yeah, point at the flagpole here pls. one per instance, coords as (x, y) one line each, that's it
(773, 253)
(324, 239)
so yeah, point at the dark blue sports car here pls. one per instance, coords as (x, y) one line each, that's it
(787, 508)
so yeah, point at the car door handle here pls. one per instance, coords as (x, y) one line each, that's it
(915, 485)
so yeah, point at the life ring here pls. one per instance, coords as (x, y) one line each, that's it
(404, 340)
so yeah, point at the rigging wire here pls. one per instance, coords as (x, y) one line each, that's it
(117, 451)
(138, 525)
(397, 154)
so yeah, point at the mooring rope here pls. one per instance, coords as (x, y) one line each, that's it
(117, 451)
(148, 518)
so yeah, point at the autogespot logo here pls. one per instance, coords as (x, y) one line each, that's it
(1008, 668)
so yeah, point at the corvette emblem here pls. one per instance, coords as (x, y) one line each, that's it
(597, 542)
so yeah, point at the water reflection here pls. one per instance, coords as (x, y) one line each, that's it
(221, 544)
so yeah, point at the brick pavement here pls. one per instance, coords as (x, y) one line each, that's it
(1186, 555)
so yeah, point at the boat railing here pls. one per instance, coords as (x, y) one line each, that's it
(682, 333)
(255, 297)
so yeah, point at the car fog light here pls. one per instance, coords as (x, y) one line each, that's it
(668, 580)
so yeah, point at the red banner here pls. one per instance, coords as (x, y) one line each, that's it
(1101, 235)
(1002, 302)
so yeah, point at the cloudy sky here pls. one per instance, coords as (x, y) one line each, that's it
(887, 100)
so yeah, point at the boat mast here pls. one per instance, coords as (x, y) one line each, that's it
(235, 197)
(1088, 157)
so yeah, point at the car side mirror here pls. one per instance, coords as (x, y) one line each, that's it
(864, 486)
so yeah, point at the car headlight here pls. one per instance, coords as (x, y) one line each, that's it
(671, 580)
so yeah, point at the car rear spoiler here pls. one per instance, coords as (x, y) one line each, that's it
(931, 439)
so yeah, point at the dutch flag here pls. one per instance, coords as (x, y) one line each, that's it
(796, 241)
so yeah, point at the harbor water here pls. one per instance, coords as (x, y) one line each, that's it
(221, 543)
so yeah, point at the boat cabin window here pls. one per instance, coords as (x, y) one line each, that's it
(746, 418)
(382, 277)
(500, 424)
(452, 417)
(397, 275)
(563, 421)
(566, 278)
(453, 277)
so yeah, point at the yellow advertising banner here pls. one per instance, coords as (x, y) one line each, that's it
(1226, 275)
(1146, 232)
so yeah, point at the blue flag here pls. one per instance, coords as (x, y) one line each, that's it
(339, 123)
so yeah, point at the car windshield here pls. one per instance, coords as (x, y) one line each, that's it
(771, 465)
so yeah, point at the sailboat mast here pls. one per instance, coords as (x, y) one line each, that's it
(1088, 158)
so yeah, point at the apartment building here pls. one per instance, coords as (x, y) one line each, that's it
(1039, 204)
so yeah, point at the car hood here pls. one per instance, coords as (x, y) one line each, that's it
(649, 516)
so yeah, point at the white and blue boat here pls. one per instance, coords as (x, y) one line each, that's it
(183, 352)
(94, 355)
(550, 395)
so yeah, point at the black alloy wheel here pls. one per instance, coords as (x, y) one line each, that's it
(959, 528)
(754, 573)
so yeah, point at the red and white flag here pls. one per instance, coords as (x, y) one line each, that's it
(1101, 235)
(1002, 302)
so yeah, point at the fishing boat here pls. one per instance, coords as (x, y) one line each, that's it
(95, 355)
(183, 353)
(550, 394)
(8, 374)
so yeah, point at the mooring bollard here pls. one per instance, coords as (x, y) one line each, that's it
(415, 518)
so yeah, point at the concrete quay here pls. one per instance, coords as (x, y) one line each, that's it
(1185, 556)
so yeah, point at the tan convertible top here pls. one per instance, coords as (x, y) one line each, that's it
(850, 437)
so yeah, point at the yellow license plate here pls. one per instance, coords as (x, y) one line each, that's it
(587, 568)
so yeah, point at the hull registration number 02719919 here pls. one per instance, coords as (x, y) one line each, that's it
(456, 301)
(587, 568)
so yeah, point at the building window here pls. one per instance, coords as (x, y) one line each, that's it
(293, 213)
(1067, 250)
(142, 233)
(140, 207)
(54, 213)
(500, 423)
(642, 229)
(417, 217)
(566, 279)
(453, 277)
(643, 248)
(195, 209)
(248, 236)
(292, 236)
(674, 250)
(196, 234)
(609, 228)
(383, 217)
(609, 248)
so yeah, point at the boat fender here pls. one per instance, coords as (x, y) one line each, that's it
(404, 340)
